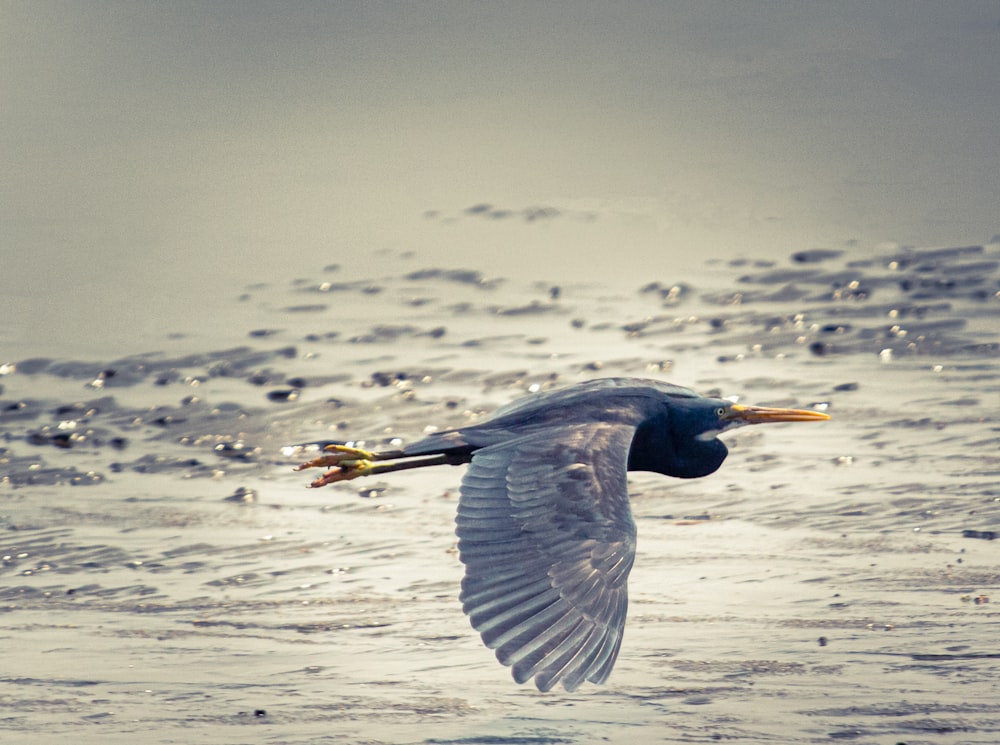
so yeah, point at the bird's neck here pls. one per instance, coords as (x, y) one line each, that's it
(655, 449)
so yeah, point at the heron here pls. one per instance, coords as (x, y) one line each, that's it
(544, 524)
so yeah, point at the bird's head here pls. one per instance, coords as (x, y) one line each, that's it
(683, 439)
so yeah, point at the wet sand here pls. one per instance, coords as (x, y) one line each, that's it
(168, 578)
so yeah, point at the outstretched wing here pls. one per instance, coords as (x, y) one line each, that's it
(547, 538)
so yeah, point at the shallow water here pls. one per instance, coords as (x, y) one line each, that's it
(167, 576)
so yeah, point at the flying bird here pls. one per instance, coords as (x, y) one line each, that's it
(544, 525)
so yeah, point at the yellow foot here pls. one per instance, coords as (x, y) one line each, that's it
(344, 472)
(348, 463)
(336, 455)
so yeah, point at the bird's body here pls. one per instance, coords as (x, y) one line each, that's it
(606, 403)
(544, 524)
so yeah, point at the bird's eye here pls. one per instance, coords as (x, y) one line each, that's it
(720, 412)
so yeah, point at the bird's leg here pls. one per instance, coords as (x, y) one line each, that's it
(350, 463)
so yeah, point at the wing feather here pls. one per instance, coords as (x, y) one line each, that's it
(547, 538)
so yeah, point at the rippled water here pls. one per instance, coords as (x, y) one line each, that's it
(167, 577)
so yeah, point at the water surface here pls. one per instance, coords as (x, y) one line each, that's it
(167, 576)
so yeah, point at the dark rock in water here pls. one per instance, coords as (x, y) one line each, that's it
(166, 420)
(928, 328)
(384, 379)
(33, 366)
(670, 294)
(963, 401)
(531, 214)
(37, 438)
(75, 369)
(243, 495)
(106, 377)
(850, 291)
(788, 293)
(815, 255)
(384, 333)
(260, 333)
(170, 376)
(283, 396)
(325, 287)
(85, 409)
(461, 276)
(237, 451)
(532, 308)
(929, 257)
(846, 387)
(81, 437)
(262, 377)
(978, 269)
(390, 332)
(986, 535)
(33, 476)
(62, 440)
(169, 464)
(296, 382)
(820, 348)
(18, 410)
(779, 276)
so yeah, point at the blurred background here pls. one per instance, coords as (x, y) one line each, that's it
(156, 157)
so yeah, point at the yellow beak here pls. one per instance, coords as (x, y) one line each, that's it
(765, 415)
